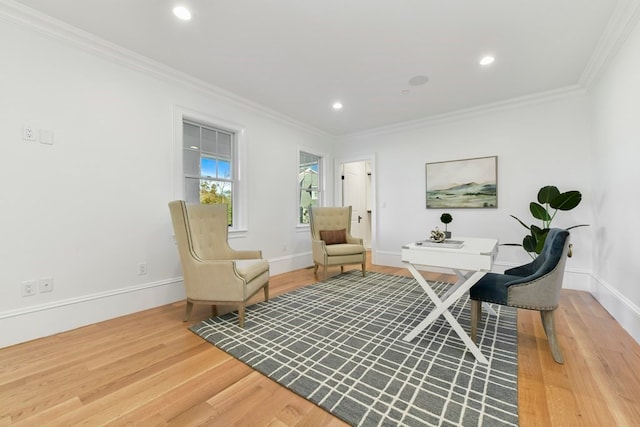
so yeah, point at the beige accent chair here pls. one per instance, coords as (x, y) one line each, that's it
(213, 272)
(343, 251)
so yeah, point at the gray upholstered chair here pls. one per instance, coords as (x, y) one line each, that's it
(331, 240)
(214, 274)
(534, 286)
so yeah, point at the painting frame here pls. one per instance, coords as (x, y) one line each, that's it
(462, 184)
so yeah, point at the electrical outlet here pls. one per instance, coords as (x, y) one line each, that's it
(29, 133)
(45, 284)
(29, 288)
(142, 269)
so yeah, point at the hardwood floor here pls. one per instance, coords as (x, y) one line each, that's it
(149, 369)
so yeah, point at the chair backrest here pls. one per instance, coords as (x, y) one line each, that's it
(329, 218)
(201, 230)
(551, 254)
(541, 289)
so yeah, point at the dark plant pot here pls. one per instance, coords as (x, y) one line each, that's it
(447, 234)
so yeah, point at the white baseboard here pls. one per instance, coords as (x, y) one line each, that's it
(289, 263)
(38, 321)
(626, 313)
(574, 279)
(42, 320)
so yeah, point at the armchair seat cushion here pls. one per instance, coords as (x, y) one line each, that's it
(492, 287)
(249, 269)
(344, 249)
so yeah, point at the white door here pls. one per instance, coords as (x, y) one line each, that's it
(354, 193)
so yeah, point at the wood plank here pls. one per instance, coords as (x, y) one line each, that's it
(149, 369)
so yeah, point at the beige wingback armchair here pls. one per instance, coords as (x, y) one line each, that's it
(331, 240)
(214, 273)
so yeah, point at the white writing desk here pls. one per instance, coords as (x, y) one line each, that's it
(472, 260)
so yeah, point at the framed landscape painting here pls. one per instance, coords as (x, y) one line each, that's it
(466, 183)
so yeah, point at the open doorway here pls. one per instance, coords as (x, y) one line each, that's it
(356, 189)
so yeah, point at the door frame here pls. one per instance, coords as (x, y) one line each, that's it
(371, 158)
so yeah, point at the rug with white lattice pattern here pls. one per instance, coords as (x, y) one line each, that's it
(339, 344)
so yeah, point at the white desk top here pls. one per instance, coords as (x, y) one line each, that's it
(475, 254)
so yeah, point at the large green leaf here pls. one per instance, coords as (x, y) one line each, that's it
(541, 238)
(539, 212)
(547, 194)
(529, 243)
(538, 232)
(566, 201)
(576, 226)
(518, 219)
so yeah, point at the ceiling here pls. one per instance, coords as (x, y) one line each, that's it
(297, 57)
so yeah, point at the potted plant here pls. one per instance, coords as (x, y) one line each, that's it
(550, 201)
(446, 218)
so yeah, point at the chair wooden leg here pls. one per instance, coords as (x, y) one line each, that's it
(214, 310)
(266, 291)
(241, 315)
(550, 329)
(342, 269)
(315, 268)
(324, 279)
(187, 314)
(476, 316)
(363, 269)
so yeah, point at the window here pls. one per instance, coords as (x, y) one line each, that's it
(209, 166)
(309, 184)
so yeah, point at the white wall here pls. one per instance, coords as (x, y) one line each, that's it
(582, 141)
(89, 208)
(544, 143)
(616, 180)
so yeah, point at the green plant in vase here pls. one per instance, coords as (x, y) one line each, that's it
(550, 201)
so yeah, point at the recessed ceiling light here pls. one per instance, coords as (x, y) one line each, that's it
(487, 60)
(337, 105)
(418, 80)
(182, 13)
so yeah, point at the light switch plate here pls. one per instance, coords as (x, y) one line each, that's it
(46, 136)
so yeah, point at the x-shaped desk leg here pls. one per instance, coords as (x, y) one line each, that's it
(462, 278)
(442, 307)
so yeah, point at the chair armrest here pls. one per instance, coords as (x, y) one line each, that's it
(318, 246)
(213, 280)
(246, 254)
(522, 271)
(354, 240)
(318, 251)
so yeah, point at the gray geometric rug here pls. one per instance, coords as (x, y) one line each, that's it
(339, 344)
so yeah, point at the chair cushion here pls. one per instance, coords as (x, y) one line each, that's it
(344, 249)
(249, 269)
(492, 287)
(334, 237)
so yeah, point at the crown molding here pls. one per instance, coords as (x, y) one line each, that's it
(523, 101)
(622, 22)
(18, 14)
